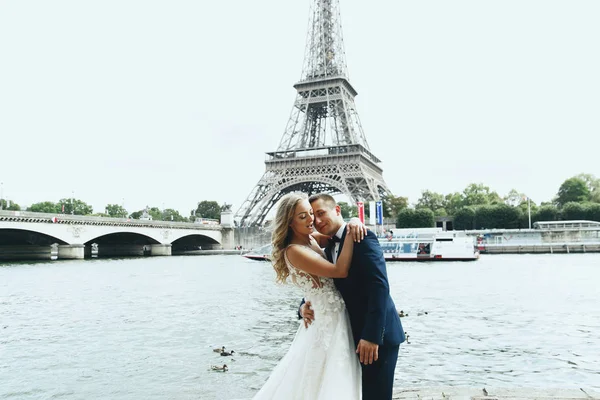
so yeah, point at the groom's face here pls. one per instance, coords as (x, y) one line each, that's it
(328, 217)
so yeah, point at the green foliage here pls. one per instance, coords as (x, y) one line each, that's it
(432, 201)
(155, 213)
(13, 206)
(115, 211)
(75, 206)
(593, 212)
(348, 211)
(515, 198)
(478, 194)
(45, 207)
(137, 214)
(392, 205)
(464, 219)
(547, 212)
(507, 217)
(415, 218)
(593, 185)
(173, 215)
(573, 211)
(453, 203)
(572, 190)
(484, 217)
(207, 209)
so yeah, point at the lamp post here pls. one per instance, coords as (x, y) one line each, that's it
(529, 210)
(1, 195)
(73, 202)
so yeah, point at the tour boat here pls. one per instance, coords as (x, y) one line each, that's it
(427, 244)
(418, 244)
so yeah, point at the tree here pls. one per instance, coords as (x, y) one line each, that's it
(208, 209)
(411, 218)
(573, 211)
(173, 215)
(453, 202)
(45, 207)
(572, 190)
(525, 207)
(12, 207)
(484, 217)
(478, 194)
(348, 211)
(75, 206)
(546, 212)
(506, 217)
(115, 211)
(514, 198)
(432, 201)
(593, 212)
(155, 213)
(392, 205)
(464, 219)
(137, 214)
(593, 185)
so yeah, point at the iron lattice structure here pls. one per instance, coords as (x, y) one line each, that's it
(323, 148)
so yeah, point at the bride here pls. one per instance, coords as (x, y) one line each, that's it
(320, 363)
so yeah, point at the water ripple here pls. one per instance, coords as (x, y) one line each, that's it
(145, 328)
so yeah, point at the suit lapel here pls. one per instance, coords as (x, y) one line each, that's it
(328, 253)
(342, 240)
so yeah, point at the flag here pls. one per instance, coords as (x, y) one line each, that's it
(379, 212)
(361, 211)
(372, 213)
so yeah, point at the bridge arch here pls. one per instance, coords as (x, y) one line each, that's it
(122, 238)
(194, 242)
(16, 236)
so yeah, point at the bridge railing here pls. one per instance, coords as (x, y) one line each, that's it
(28, 216)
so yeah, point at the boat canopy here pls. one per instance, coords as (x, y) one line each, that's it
(562, 225)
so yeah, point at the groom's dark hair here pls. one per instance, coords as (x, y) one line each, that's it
(325, 197)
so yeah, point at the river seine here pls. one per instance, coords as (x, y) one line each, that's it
(145, 328)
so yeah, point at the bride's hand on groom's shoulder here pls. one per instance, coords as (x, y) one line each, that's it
(356, 229)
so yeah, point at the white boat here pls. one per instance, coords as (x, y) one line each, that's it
(427, 244)
(419, 244)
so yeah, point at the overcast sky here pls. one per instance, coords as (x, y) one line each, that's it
(172, 102)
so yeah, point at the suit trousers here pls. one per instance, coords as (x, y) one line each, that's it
(378, 378)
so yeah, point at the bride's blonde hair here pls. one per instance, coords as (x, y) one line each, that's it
(282, 233)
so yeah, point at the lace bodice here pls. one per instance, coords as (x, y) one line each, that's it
(305, 281)
(326, 301)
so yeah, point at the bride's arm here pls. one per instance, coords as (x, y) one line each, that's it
(309, 261)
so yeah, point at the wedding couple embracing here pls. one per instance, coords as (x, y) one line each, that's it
(347, 347)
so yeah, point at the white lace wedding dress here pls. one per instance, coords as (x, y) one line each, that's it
(321, 363)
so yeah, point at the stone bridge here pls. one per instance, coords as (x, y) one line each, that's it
(27, 235)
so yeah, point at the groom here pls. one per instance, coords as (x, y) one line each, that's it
(373, 316)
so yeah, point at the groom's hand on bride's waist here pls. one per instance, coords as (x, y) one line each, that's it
(368, 352)
(307, 313)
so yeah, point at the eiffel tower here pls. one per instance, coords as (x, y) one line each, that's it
(323, 148)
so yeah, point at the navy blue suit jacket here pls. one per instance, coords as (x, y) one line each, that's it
(366, 292)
